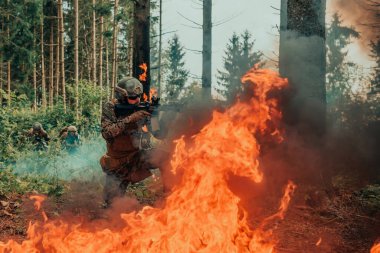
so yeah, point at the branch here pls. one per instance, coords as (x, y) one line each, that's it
(189, 19)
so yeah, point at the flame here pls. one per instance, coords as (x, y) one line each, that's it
(201, 213)
(144, 68)
(318, 242)
(376, 248)
(38, 203)
(152, 93)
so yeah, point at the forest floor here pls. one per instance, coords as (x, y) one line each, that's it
(316, 221)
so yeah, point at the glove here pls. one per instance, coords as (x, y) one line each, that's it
(137, 116)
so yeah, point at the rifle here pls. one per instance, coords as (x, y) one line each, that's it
(153, 108)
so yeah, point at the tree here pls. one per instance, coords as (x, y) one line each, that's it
(178, 75)
(338, 38)
(239, 58)
(141, 41)
(375, 54)
(303, 62)
(114, 47)
(76, 56)
(207, 48)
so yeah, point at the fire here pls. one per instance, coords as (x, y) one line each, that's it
(38, 203)
(144, 68)
(152, 94)
(376, 248)
(201, 213)
(318, 242)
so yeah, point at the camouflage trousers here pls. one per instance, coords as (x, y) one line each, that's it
(122, 171)
(132, 168)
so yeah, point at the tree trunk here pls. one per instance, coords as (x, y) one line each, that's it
(1, 72)
(51, 65)
(141, 47)
(131, 46)
(114, 49)
(207, 47)
(34, 106)
(107, 72)
(1, 82)
(62, 53)
(8, 71)
(58, 56)
(94, 43)
(76, 57)
(303, 62)
(159, 51)
(43, 76)
(101, 46)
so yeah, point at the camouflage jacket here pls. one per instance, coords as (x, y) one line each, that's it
(118, 132)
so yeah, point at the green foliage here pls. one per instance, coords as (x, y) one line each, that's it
(375, 54)
(177, 73)
(338, 38)
(19, 47)
(17, 120)
(239, 58)
(11, 184)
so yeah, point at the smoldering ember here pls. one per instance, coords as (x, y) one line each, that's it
(190, 126)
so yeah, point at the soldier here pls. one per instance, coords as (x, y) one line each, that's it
(70, 139)
(128, 148)
(39, 137)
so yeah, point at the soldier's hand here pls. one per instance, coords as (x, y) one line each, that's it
(137, 116)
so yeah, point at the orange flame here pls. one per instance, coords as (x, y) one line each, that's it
(144, 68)
(201, 213)
(318, 242)
(152, 93)
(38, 203)
(376, 248)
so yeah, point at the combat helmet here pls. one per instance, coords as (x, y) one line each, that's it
(37, 126)
(128, 87)
(72, 129)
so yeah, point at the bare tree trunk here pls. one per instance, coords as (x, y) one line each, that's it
(303, 62)
(43, 76)
(94, 43)
(8, 71)
(1, 82)
(76, 57)
(62, 55)
(114, 48)
(207, 49)
(159, 51)
(131, 47)
(58, 57)
(101, 46)
(141, 32)
(51, 65)
(107, 71)
(34, 106)
(1, 73)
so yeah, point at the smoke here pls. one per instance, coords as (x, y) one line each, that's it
(364, 15)
(81, 165)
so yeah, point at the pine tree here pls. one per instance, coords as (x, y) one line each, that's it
(177, 74)
(338, 38)
(239, 58)
(375, 54)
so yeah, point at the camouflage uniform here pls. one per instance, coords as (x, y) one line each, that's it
(39, 136)
(127, 159)
(70, 138)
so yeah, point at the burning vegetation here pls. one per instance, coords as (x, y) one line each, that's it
(201, 213)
